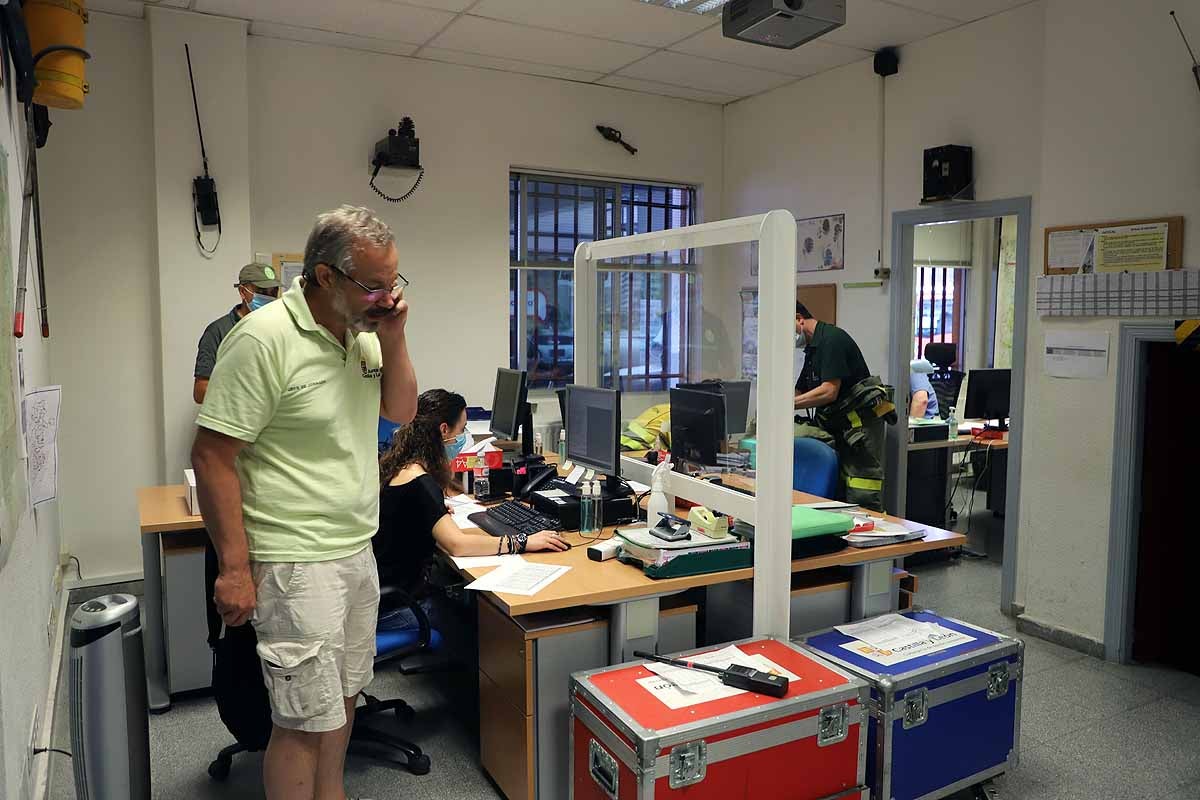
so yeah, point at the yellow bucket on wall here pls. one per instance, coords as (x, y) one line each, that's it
(59, 75)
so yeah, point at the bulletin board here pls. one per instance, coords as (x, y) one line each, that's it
(288, 267)
(821, 301)
(1139, 245)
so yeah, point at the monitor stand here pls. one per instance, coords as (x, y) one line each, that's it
(527, 456)
(1001, 425)
(615, 487)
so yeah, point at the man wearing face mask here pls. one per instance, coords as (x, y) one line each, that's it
(257, 285)
(849, 403)
(288, 480)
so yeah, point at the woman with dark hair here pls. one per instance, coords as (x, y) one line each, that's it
(414, 474)
(449, 411)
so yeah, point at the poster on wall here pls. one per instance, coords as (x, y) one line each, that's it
(1148, 245)
(821, 243)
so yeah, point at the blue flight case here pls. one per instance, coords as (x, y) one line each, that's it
(940, 722)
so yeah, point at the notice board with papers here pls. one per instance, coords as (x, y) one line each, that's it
(1140, 245)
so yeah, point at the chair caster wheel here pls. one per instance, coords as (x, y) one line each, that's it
(419, 765)
(218, 770)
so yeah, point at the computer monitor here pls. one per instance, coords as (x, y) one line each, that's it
(737, 402)
(508, 403)
(697, 425)
(594, 429)
(987, 395)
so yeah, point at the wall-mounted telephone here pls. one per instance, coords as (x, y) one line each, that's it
(400, 149)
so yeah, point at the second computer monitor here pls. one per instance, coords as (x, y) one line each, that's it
(508, 403)
(593, 424)
(737, 402)
(987, 395)
(697, 425)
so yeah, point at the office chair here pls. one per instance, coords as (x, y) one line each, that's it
(242, 698)
(946, 381)
(814, 467)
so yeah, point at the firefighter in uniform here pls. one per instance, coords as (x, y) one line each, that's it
(850, 404)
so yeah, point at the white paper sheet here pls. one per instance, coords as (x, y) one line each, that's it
(550, 494)
(575, 475)
(463, 521)
(523, 578)
(829, 505)
(471, 562)
(890, 638)
(701, 687)
(1077, 354)
(460, 500)
(41, 430)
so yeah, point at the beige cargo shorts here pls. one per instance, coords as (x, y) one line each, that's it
(316, 636)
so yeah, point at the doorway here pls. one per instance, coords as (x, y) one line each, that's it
(969, 234)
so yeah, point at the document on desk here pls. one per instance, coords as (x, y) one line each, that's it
(523, 578)
(677, 687)
(891, 638)
(829, 505)
(471, 562)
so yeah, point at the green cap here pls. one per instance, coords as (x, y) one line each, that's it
(261, 275)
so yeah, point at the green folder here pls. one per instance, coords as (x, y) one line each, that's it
(810, 522)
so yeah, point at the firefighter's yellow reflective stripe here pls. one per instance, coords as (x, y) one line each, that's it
(640, 430)
(866, 484)
(855, 421)
(884, 408)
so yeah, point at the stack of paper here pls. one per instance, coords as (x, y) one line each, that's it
(677, 687)
(885, 532)
(891, 638)
(461, 507)
(519, 577)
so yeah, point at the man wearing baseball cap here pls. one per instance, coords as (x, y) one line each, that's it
(257, 285)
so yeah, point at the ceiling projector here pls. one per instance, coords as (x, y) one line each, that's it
(786, 24)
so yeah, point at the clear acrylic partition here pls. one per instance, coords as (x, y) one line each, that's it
(709, 304)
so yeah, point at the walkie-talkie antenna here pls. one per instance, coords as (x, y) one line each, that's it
(1195, 63)
(196, 106)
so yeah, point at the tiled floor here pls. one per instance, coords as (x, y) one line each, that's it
(1089, 729)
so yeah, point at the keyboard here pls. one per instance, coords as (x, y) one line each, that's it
(512, 517)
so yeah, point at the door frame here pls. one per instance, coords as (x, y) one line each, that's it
(1134, 339)
(903, 224)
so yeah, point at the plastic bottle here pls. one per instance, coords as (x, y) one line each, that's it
(483, 479)
(660, 502)
(952, 423)
(537, 443)
(597, 507)
(562, 446)
(585, 508)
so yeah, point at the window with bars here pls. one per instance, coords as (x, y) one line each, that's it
(644, 301)
(938, 310)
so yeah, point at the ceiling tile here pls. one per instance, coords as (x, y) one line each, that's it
(291, 32)
(700, 73)
(622, 20)
(503, 39)
(961, 10)
(871, 24)
(377, 19)
(126, 8)
(807, 59)
(508, 64)
(651, 87)
(445, 5)
(170, 3)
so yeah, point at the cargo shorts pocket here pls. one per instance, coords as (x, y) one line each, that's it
(296, 679)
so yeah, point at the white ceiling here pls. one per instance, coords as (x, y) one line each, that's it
(622, 43)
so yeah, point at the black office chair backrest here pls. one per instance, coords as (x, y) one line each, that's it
(946, 385)
(941, 354)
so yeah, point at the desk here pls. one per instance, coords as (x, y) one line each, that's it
(927, 498)
(176, 627)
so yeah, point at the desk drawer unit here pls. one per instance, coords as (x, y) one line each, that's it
(939, 722)
(627, 744)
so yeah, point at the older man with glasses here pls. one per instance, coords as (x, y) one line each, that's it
(286, 469)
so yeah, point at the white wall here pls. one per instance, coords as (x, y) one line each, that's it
(316, 112)
(1119, 142)
(99, 217)
(28, 555)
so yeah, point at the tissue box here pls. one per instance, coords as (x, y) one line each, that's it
(189, 482)
(491, 456)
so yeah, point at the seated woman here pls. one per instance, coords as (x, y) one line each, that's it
(924, 403)
(414, 474)
(449, 411)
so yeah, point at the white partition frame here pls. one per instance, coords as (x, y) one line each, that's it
(770, 510)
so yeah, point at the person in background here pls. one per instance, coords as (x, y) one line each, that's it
(286, 469)
(924, 404)
(413, 518)
(850, 405)
(257, 285)
(449, 411)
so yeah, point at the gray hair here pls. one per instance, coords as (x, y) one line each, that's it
(335, 236)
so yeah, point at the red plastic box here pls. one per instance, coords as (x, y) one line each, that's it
(628, 744)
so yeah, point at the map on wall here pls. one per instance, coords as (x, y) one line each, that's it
(821, 243)
(12, 472)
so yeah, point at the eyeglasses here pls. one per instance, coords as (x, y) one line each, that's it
(374, 295)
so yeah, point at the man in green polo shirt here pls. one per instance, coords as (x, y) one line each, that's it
(851, 405)
(257, 285)
(286, 471)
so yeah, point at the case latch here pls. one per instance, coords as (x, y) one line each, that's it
(916, 708)
(603, 768)
(833, 724)
(997, 680)
(689, 763)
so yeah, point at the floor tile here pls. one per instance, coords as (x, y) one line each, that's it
(1067, 698)
(1041, 655)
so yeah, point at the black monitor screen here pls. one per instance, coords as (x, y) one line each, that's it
(737, 407)
(594, 428)
(987, 394)
(508, 402)
(697, 425)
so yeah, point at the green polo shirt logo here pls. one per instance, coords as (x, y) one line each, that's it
(308, 408)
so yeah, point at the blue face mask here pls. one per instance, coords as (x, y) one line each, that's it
(260, 300)
(455, 447)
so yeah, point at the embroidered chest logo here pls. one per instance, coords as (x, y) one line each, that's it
(368, 372)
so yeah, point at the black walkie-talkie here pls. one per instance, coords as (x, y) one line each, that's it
(204, 188)
(735, 675)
